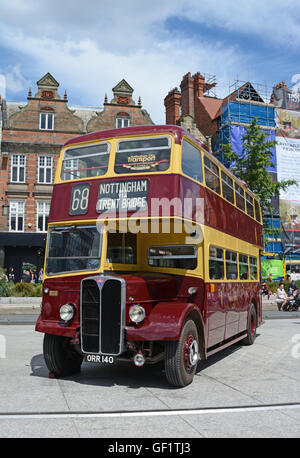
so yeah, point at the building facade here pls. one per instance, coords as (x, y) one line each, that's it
(32, 135)
(222, 121)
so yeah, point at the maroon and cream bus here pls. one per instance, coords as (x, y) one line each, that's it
(152, 253)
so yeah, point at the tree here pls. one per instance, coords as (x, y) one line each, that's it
(253, 164)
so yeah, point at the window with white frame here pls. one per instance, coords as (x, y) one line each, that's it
(18, 167)
(70, 169)
(46, 121)
(43, 209)
(16, 216)
(122, 122)
(45, 167)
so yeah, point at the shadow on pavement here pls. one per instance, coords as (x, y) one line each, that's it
(126, 374)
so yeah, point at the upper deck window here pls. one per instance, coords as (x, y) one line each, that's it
(85, 162)
(146, 155)
(257, 212)
(227, 186)
(239, 197)
(191, 161)
(249, 205)
(212, 177)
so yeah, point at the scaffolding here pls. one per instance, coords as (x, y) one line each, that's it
(245, 102)
(210, 84)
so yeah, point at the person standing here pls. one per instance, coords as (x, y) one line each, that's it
(26, 277)
(41, 275)
(11, 275)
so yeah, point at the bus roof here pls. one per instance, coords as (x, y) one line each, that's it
(177, 131)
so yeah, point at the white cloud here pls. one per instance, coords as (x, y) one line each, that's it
(90, 49)
(83, 67)
(2, 86)
(15, 81)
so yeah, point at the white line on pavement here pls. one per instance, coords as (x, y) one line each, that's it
(218, 410)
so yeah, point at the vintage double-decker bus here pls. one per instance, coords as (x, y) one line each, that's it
(152, 253)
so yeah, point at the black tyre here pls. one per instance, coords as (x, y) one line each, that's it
(251, 329)
(181, 357)
(61, 359)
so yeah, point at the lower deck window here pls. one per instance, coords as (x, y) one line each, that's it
(121, 248)
(231, 265)
(173, 256)
(216, 263)
(253, 268)
(243, 267)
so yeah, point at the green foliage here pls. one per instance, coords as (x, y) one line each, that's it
(4, 288)
(253, 164)
(4, 285)
(26, 290)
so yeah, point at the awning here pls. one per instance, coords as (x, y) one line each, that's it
(22, 239)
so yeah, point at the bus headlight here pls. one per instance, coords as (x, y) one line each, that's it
(66, 312)
(137, 313)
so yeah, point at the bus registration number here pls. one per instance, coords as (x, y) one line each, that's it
(100, 359)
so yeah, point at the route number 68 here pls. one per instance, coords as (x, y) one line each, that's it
(79, 199)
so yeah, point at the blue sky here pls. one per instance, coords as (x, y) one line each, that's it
(151, 44)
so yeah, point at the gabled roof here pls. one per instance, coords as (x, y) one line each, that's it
(245, 92)
(211, 105)
(47, 80)
(123, 87)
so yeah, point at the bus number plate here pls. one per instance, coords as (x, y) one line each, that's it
(79, 199)
(100, 359)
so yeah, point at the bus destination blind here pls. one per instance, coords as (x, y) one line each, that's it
(118, 196)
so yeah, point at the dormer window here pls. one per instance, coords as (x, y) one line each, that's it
(122, 122)
(46, 121)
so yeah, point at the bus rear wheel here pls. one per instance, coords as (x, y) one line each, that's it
(61, 359)
(181, 357)
(251, 329)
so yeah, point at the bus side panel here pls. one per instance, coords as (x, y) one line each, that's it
(228, 307)
(216, 315)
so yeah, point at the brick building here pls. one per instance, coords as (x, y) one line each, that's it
(193, 108)
(32, 134)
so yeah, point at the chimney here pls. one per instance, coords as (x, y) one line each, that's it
(199, 83)
(172, 104)
(187, 95)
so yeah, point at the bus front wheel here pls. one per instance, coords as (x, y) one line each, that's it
(251, 329)
(61, 359)
(181, 357)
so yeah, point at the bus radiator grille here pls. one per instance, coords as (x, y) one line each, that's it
(101, 317)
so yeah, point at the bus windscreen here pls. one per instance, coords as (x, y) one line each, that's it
(73, 248)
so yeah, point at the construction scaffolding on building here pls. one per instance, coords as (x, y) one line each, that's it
(245, 102)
